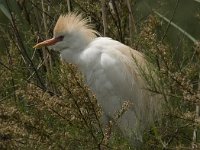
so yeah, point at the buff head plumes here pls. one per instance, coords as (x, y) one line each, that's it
(74, 22)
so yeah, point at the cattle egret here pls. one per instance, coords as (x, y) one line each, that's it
(112, 70)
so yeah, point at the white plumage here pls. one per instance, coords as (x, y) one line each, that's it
(112, 71)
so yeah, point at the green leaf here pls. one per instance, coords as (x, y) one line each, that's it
(5, 11)
(197, 1)
(177, 27)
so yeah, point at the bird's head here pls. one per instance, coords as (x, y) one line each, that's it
(71, 32)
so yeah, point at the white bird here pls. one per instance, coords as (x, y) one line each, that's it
(112, 71)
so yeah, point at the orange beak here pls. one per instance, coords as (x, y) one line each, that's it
(48, 42)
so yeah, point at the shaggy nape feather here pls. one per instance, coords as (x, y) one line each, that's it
(74, 22)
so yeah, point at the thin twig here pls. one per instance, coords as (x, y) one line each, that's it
(173, 14)
(177, 27)
(104, 14)
(21, 46)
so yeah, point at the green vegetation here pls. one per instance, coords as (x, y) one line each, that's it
(44, 104)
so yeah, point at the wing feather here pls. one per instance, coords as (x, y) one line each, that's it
(123, 72)
(123, 66)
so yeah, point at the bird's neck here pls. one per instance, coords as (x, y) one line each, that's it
(79, 42)
(72, 54)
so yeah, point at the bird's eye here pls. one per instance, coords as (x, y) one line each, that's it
(60, 38)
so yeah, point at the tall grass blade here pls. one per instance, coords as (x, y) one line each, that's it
(177, 27)
(5, 11)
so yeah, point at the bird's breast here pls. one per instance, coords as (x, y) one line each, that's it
(99, 83)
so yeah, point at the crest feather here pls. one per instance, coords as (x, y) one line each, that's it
(73, 22)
